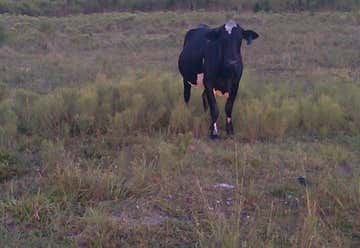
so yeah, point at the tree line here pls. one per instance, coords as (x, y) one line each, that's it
(67, 7)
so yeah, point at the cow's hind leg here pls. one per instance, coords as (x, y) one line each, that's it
(187, 91)
(204, 100)
(214, 112)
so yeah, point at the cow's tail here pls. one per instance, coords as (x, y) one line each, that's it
(204, 100)
(187, 91)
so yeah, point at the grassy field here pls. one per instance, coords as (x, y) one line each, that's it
(97, 148)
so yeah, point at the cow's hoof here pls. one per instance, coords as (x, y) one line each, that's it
(214, 133)
(214, 136)
(229, 129)
(230, 132)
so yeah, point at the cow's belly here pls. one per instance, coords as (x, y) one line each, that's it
(200, 84)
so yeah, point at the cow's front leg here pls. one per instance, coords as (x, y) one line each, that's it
(228, 109)
(214, 112)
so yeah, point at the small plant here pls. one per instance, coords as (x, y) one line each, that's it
(8, 124)
(262, 6)
(180, 119)
(87, 185)
(4, 90)
(47, 28)
(322, 116)
(2, 35)
(9, 167)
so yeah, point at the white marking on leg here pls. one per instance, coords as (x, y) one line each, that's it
(215, 129)
(228, 120)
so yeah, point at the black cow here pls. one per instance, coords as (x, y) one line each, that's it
(216, 53)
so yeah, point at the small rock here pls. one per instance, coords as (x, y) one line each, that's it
(291, 201)
(224, 186)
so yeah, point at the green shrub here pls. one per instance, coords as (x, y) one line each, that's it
(4, 91)
(47, 27)
(348, 96)
(251, 119)
(86, 185)
(8, 124)
(181, 118)
(36, 210)
(147, 104)
(2, 35)
(324, 115)
(261, 6)
(4, 6)
(268, 118)
(9, 165)
(49, 115)
(52, 154)
(23, 103)
(84, 119)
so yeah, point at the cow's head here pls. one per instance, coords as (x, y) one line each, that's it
(230, 36)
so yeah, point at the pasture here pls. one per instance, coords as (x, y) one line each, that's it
(97, 148)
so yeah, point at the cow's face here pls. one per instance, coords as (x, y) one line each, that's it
(230, 36)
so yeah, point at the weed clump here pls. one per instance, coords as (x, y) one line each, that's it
(52, 154)
(2, 35)
(262, 120)
(87, 185)
(323, 116)
(23, 107)
(8, 124)
(180, 119)
(9, 166)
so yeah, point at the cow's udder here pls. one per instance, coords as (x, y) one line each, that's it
(200, 80)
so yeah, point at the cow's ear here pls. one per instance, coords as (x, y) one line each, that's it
(249, 36)
(213, 34)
